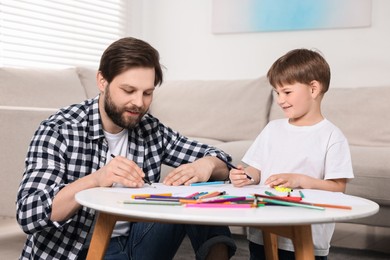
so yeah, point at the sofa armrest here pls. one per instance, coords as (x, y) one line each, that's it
(18, 127)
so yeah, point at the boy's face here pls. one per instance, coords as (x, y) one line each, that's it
(126, 99)
(296, 101)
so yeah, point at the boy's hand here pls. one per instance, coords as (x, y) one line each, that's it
(288, 180)
(302, 181)
(238, 177)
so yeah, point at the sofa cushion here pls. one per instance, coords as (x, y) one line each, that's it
(88, 80)
(275, 111)
(40, 87)
(361, 113)
(214, 109)
(236, 149)
(371, 169)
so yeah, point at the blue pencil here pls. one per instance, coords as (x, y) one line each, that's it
(207, 183)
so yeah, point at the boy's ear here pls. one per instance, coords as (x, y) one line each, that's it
(316, 88)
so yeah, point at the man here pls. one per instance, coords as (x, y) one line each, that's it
(71, 151)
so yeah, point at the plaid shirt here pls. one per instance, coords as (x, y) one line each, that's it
(70, 145)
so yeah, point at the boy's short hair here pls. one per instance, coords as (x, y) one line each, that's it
(302, 66)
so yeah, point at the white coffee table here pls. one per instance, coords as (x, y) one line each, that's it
(291, 222)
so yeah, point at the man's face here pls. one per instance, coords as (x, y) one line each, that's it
(127, 99)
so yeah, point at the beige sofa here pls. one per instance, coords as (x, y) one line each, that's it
(230, 114)
(227, 114)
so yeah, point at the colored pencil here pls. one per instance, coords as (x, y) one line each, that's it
(207, 183)
(153, 202)
(287, 198)
(220, 200)
(234, 167)
(193, 195)
(138, 196)
(270, 193)
(144, 179)
(330, 205)
(289, 203)
(305, 203)
(212, 194)
(218, 205)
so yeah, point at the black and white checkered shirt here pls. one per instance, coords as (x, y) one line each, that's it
(70, 145)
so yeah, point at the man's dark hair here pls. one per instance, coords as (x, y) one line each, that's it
(127, 53)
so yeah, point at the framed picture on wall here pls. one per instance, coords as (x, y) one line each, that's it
(240, 16)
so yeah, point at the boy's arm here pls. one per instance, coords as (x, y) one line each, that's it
(293, 180)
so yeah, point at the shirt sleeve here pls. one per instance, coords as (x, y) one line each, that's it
(180, 149)
(42, 179)
(338, 162)
(256, 153)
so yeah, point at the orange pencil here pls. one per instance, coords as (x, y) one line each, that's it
(211, 194)
(139, 196)
(331, 206)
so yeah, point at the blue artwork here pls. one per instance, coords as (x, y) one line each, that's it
(235, 16)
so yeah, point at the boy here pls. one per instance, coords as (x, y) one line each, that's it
(304, 150)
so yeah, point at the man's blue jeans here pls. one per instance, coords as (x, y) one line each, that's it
(150, 241)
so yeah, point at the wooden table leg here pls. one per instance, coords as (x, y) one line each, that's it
(303, 242)
(270, 245)
(101, 236)
(300, 235)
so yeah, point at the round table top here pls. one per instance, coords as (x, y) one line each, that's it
(110, 200)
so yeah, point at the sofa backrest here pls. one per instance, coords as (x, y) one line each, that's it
(226, 110)
(361, 113)
(40, 87)
(88, 80)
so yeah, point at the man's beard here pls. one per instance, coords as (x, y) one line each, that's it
(116, 114)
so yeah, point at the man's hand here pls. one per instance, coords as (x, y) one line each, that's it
(122, 171)
(199, 171)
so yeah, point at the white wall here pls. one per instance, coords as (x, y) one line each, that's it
(181, 31)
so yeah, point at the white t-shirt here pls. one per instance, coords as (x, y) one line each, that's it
(320, 151)
(118, 145)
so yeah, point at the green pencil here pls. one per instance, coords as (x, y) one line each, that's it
(269, 193)
(285, 203)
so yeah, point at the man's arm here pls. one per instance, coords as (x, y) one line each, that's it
(201, 170)
(118, 170)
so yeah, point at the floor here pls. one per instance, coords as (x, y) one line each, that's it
(375, 241)
(347, 237)
(361, 236)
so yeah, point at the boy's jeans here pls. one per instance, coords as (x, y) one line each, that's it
(161, 241)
